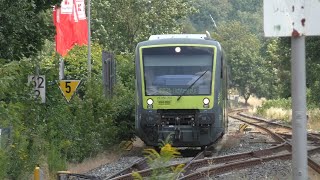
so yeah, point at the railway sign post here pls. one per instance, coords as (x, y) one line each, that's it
(68, 88)
(295, 19)
(39, 83)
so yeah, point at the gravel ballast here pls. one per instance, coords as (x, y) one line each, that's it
(233, 142)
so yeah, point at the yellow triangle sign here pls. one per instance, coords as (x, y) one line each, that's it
(68, 87)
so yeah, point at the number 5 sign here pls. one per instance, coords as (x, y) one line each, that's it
(68, 87)
(39, 83)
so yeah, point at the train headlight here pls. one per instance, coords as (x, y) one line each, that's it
(206, 101)
(177, 49)
(149, 101)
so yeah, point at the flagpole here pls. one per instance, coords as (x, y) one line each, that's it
(89, 40)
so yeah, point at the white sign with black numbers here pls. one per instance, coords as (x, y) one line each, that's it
(39, 84)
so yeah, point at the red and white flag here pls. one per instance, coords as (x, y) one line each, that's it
(80, 27)
(71, 25)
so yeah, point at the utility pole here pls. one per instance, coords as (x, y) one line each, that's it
(89, 39)
(295, 19)
(61, 68)
(299, 110)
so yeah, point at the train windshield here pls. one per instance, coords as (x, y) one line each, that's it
(176, 71)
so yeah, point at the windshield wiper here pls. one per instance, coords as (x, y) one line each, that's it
(191, 85)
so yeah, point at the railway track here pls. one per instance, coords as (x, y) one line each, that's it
(202, 167)
(282, 130)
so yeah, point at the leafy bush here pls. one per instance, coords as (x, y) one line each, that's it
(314, 119)
(56, 161)
(159, 161)
(58, 130)
(3, 164)
(276, 109)
(281, 109)
(124, 97)
(277, 103)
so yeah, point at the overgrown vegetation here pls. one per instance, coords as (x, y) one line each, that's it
(159, 161)
(63, 132)
(280, 109)
(275, 103)
(24, 27)
(58, 132)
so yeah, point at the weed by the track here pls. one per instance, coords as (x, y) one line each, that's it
(159, 161)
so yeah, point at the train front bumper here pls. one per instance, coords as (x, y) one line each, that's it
(193, 129)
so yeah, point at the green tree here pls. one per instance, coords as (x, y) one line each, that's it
(313, 67)
(248, 12)
(243, 53)
(218, 9)
(121, 24)
(279, 54)
(24, 27)
(247, 5)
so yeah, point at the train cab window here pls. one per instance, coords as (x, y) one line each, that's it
(171, 72)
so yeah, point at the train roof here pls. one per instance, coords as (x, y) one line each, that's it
(179, 39)
(169, 36)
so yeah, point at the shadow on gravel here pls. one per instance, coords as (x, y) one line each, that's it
(187, 152)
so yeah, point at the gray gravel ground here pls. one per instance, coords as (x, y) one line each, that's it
(107, 170)
(233, 142)
(277, 169)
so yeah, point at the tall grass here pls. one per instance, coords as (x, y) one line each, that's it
(314, 119)
(56, 161)
(3, 164)
(278, 114)
(280, 109)
(237, 101)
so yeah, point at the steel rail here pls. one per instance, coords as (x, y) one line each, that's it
(68, 175)
(232, 166)
(251, 162)
(275, 136)
(236, 157)
(219, 169)
(147, 172)
(193, 164)
(203, 162)
(310, 136)
(137, 166)
(246, 159)
(228, 162)
(314, 165)
(201, 155)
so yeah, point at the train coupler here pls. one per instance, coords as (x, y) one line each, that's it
(177, 134)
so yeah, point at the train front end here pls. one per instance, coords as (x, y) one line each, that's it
(177, 95)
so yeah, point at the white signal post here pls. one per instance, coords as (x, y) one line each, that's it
(299, 110)
(295, 19)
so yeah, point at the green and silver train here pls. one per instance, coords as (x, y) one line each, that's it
(181, 90)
